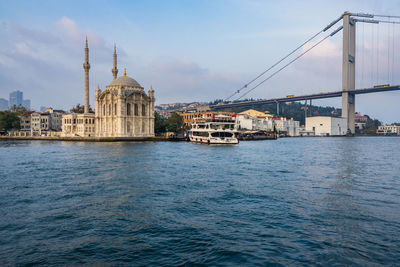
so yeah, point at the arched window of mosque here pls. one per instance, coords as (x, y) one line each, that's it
(136, 110)
(104, 110)
(115, 109)
(143, 110)
(128, 127)
(128, 109)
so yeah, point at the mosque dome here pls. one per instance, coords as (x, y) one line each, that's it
(125, 81)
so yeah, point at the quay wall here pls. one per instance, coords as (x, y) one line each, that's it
(91, 139)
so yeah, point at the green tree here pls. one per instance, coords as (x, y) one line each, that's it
(174, 123)
(159, 123)
(9, 120)
(19, 110)
(80, 109)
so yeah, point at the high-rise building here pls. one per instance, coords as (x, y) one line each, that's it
(16, 98)
(3, 104)
(26, 103)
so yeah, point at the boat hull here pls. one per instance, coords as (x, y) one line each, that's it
(213, 141)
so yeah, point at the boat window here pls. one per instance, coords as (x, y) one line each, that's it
(204, 134)
(221, 134)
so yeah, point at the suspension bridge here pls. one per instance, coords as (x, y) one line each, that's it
(349, 90)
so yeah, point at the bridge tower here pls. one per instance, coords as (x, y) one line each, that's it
(348, 70)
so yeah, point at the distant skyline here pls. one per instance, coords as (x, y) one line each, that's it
(191, 50)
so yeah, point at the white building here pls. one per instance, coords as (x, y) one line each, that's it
(326, 126)
(246, 122)
(388, 130)
(287, 127)
(40, 123)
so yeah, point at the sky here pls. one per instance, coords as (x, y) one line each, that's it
(193, 50)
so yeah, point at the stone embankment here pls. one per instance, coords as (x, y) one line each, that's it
(91, 139)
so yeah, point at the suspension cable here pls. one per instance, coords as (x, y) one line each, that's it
(388, 21)
(285, 57)
(282, 59)
(279, 70)
(387, 16)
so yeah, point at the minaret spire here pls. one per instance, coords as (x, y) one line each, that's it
(86, 67)
(114, 69)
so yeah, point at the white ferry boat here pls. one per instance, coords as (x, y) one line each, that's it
(219, 129)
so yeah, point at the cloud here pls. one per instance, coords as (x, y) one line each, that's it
(70, 29)
(47, 64)
(189, 81)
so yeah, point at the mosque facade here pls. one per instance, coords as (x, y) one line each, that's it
(122, 109)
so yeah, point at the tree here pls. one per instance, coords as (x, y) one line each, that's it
(80, 109)
(19, 110)
(174, 123)
(9, 120)
(159, 123)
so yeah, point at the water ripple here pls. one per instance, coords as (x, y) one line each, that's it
(301, 202)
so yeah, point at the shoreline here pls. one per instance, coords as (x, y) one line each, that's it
(142, 139)
(93, 139)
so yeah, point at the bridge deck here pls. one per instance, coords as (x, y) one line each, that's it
(307, 97)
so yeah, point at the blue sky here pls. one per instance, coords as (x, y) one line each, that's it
(190, 50)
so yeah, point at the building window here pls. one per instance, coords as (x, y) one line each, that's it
(136, 110)
(109, 109)
(104, 110)
(143, 110)
(115, 109)
(128, 109)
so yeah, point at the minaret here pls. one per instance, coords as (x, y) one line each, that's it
(86, 67)
(114, 69)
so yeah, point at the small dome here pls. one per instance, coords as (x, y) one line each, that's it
(125, 81)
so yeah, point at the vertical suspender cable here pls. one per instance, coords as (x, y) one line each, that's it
(377, 54)
(362, 57)
(388, 49)
(373, 56)
(393, 36)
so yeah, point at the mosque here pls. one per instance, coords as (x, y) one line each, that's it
(123, 109)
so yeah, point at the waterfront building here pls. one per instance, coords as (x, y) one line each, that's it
(16, 98)
(326, 126)
(257, 123)
(188, 117)
(256, 114)
(82, 125)
(56, 119)
(40, 123)
(288, 127)
(360, 121)
(3, 104)
(25, 122)
(304, 132)
(388, 130)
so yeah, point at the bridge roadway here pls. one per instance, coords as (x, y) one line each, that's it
(375, 89)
